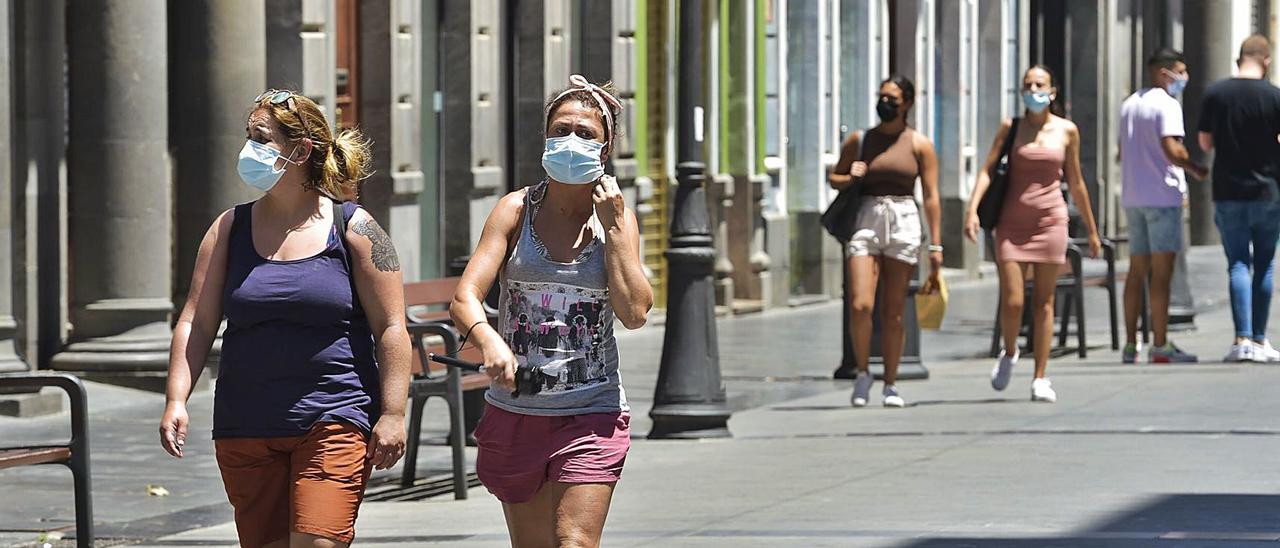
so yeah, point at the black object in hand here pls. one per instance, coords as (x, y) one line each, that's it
(529, 380)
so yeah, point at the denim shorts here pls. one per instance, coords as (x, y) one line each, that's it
(1154, 230)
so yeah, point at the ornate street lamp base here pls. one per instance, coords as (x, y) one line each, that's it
(690, 421)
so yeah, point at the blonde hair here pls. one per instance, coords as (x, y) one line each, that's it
(337, 164)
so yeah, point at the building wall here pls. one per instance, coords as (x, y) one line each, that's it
(452, 94)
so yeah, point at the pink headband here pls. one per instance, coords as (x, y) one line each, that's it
(602, 97)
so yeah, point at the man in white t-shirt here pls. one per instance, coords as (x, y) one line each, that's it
(1155, 188)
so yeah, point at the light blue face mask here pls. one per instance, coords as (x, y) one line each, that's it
(573, 160)
(1177, 86)
(1036, 101)
(257, 165)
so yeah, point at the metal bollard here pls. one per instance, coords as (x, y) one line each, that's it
(910, 367)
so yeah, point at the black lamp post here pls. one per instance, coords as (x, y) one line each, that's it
(689, 400)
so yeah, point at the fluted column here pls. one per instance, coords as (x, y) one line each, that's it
(119, 188)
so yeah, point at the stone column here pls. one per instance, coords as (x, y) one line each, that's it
(719, 201)
(1084, 88)
(955, 135)
(805, 84)
(999, 73)
(474, 118)
(390, 96)
(773, 211)
(120, 190)
(538, 38)
(39, 31)
(219, 50)
(9, 360)
(738, 157)
(1211, 55)
(609, 53)
(301, 50)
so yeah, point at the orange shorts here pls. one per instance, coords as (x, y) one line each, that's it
(308, 484)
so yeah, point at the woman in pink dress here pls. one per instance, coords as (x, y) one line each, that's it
(1031, 234)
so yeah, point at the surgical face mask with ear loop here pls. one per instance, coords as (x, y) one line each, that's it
(1177, 85)
(573, 160)
(257, 165)
(1036, 101)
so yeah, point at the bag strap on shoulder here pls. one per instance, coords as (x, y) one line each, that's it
(340, 222)
(1007, 148)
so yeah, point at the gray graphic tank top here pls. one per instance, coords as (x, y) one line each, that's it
(556, 317)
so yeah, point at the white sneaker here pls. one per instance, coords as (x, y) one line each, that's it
(1264, 353)
(1042, 390)
(1240, 352)
(891, 397)
(1003, 370)
(862, 388)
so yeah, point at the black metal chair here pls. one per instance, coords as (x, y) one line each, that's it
(448, 386)
(1070, 290)
(74, 454)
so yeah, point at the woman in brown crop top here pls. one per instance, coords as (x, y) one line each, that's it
(885, 162)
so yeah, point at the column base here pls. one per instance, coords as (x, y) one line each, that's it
(690, 421)
(35, 404)
(135, 362)
(9, 360)
(149, 381)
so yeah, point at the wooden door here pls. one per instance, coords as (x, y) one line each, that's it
(347, 114)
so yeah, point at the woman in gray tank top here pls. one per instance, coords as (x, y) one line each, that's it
(565, 252)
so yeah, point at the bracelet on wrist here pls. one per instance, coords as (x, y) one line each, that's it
(935, 248)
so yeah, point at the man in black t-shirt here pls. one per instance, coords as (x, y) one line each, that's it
(1240, 118)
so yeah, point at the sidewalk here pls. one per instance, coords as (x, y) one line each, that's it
(1129, 454)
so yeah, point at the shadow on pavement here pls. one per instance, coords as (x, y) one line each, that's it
(1170, 520)
(922, 403)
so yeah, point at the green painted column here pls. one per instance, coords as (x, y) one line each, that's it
(740, 157)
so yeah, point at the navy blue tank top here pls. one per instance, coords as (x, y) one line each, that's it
(297, 349)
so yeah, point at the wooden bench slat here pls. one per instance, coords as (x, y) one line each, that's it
(428, 292)
(24, 456)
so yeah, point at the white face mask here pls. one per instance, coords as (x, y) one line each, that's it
(573, 160)
(257, 165)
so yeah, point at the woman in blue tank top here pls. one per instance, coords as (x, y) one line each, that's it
(566, 253)
(314, 371)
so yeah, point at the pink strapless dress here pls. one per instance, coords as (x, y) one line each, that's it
(1033, 223)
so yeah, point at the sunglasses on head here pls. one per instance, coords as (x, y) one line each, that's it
(277, 97)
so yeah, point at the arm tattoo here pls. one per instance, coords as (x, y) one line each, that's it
(384, 253)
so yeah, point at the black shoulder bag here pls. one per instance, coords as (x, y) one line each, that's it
(993, 201)
(841, 217)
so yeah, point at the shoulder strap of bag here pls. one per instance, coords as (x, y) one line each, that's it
(340, 222)
(1008, 139)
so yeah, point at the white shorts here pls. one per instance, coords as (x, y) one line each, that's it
(888, 226)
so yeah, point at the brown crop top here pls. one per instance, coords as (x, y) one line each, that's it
(892, 168)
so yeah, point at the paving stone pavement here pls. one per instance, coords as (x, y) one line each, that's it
(1140, 455)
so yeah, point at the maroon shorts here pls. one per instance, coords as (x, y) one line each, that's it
(518, 453)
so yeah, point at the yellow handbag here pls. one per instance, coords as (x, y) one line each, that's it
(931, 307)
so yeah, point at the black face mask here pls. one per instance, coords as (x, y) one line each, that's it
(887, 110)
